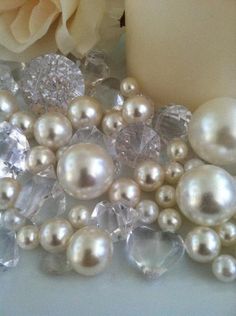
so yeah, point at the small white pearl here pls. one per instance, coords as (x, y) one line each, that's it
(126, 190)
(85, 111)
(8, 104)
(9, 191)
(173, 172)
(28, 237)
(79, 216)
(165, 196)
(129, 87)
(112, 122)
(148, 211)
(169, 220)
(202, 244)
(193, 163)
(177, 150)
(137, 109)
(149, 175)
(25, 121)
(224, 268)
(90, 251)
(54, 234)
(227, 233)
(39, 159)
(53, 130)
(13, 219)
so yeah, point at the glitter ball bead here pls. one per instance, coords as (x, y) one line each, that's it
(52, 81)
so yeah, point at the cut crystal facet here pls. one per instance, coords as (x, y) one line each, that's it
(154, 252)
(55, 263)
(9, 251)
(13, 149)
(7, 81)
(51, 81)
(136, 143)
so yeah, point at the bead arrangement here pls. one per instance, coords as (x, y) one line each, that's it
(135, 160)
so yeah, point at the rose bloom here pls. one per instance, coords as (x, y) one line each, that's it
(33, 27)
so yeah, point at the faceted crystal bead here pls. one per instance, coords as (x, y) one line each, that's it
(172, 121)
(9, 251)
(50, 82)
(117, 218)
(154, 252)
(55, 263)
(136, 143)
(107, 91)
(7, 81)
(13, 150)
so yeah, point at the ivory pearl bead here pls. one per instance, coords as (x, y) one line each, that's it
(54, 234)
(8, 104)
(79, 216)
(12, 219)
(90, 251)
(25, 121)
(52, 130)
(39, 159)
(28, 237)
(227, 233)
(224, 268)
(193, 163)
(137, 109)
(85, 111)
(129, 87)
(126, 190)
(202, 244)
(177, 150)
(148, 211)
(112, 122)
(9, 191)
(149, 175)
(169, 220)
(165, 196)
(173, 172)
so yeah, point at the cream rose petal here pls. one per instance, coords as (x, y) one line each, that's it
(6, 5)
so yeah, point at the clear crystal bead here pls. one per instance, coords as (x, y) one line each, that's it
(55, 263)
(136, 143)
(13, 149)
(7, 81)
(172, 121)
(51, 81)
(94, 67)
(9, 251)
(154, 252)
(116, 218)
(107, 92)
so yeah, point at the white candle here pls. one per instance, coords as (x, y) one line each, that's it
(182, 51)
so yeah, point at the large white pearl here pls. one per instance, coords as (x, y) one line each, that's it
(169, 220)
(85, 111)
(28, 237)
(224, 268)
(212, 131)
(40, 158)
(129, 87)
(25, 121)
(90, 251)
(13, 220)
(9, 191)
(148, 211)
(54, 234)
(126, 190)
(112, 122)
(85, 171)
(227, 233)
(137, 109)
(8, 104)
(207, 195)
(202, 244)
(52, 130)
(79, 216)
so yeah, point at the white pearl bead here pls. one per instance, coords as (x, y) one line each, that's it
(85, 171)
(177, 150)
(112, 123)
(40, 158)
(169, 220)
(202, 244)
(149, 175)
(137, 109)
(129, 87)
(148, 211)
(28, 237)
(25, 121)
(224, 268)
(8, 104)
(12, 219)
(61, 151)
(126, 190)
(173, 172)
(207, 195)
(85, 111)
(165, 196)
(79, 216)
(90, 251)
(52, 130)
(227, 233)
(193, 163)
(54, 234)
(212, 131)
(9, 191)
